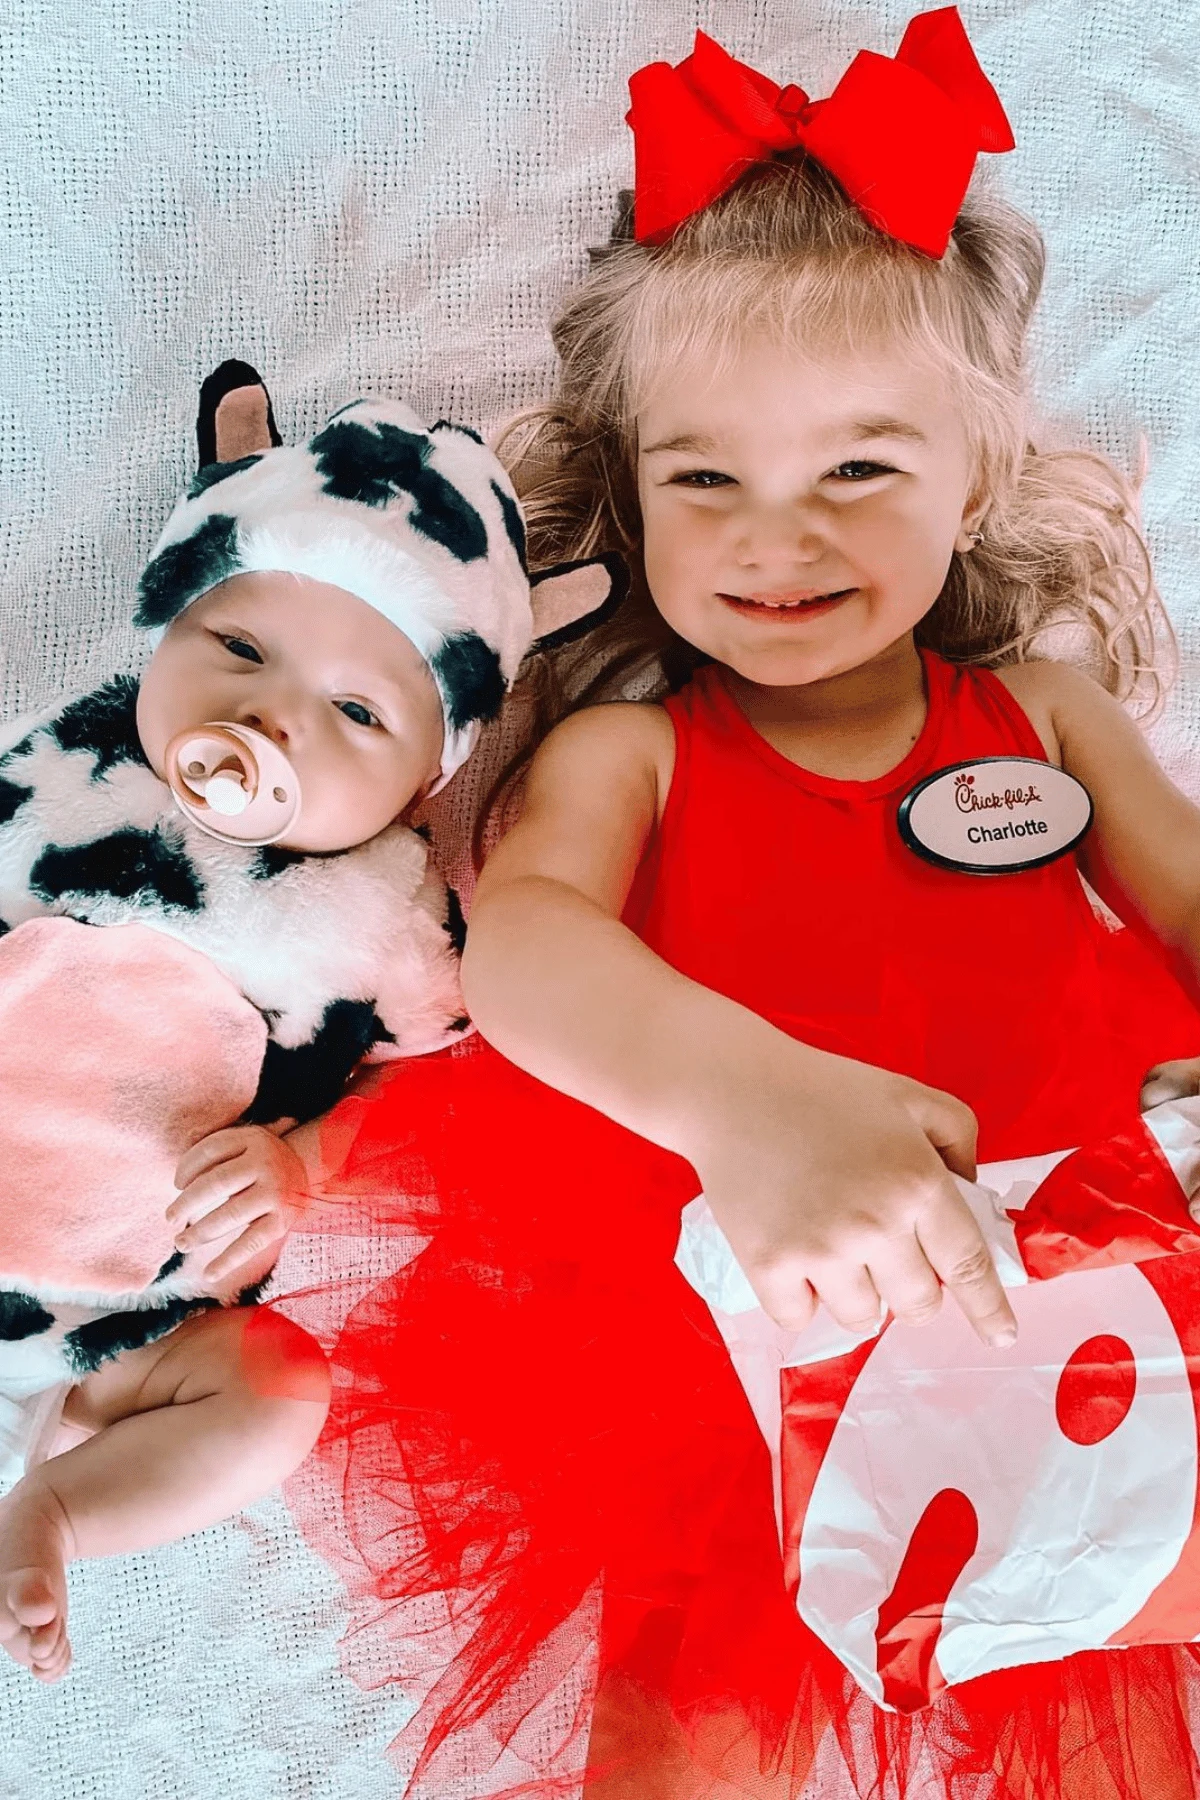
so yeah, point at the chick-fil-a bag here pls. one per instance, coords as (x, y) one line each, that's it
(948, 1509)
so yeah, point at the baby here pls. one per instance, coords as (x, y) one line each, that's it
(332, 624)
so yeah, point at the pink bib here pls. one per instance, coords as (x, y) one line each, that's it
(119, 1049)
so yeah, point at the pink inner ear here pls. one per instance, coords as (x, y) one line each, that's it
(561, 600)
(241, 424)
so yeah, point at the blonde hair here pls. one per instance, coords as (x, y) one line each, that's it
(785, 253)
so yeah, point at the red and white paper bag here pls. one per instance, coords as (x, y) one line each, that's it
(947, 1509)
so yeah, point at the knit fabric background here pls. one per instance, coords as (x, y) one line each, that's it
(390, 196)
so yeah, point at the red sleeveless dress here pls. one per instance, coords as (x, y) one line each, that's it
(794, 894)
(535, 1423)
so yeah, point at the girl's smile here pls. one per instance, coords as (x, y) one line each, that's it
(774, 608)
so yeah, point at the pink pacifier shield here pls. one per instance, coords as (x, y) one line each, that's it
(119, 1049)
(233, 782)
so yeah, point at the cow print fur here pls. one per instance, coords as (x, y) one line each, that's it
(514, 524)
(346, 956)
(376, 466)
(212, 473)
(21, 1316)
(190, 567)
(307, 1079)
(88, 1346)
(468, 672)
(104, 723)
(128, 865)
(12, 796)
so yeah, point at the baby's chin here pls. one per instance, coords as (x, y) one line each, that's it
(336, 836)
(336, 844)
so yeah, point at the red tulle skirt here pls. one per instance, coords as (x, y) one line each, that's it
(551, 1506)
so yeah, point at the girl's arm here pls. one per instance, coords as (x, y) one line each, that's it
(828, 1177)
(1142, 854)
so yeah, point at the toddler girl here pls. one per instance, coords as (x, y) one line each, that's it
(796, 398)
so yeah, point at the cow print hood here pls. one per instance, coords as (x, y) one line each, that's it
(421, 524)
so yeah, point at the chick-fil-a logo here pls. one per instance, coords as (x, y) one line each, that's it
(967, 800)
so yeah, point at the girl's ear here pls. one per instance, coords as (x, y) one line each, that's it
(572, 598)
(234, 417)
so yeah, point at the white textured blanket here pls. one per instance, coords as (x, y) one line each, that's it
(390, 196)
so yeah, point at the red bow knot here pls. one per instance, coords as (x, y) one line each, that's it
(900, 133)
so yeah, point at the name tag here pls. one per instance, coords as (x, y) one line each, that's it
(995, 815)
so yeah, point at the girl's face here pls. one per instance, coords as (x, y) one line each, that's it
(799, 516)
(326, 677)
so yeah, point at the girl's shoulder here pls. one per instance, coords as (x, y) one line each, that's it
(635, 722)
(621, 731)
(1076, 717)
(1053, 696)
(617, 745)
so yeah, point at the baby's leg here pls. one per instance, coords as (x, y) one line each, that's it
(184, 1432)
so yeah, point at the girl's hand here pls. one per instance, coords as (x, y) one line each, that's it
(1179, 1080)
(246, 1176)
(1170, 1081)
(832, 1182)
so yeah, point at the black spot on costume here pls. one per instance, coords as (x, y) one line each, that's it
(469, 673)
(303, 1082)
(12, 798)
(126, 864)
(272, 860)
(453, 425)
(22, 1316)
(456, 924)
(374, 466)
(212, 473)
(89, 1346)
(514, 524)
(104, 723)
(182, 571)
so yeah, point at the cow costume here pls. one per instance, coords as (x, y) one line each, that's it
(232, 982)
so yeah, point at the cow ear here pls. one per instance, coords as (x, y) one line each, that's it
(573, 598)
(235, 418)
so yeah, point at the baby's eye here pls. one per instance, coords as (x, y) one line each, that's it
(701, 478)
(355, 710)
(862, 471)
(239, 647)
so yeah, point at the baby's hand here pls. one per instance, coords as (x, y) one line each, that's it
(245, 1176)
(1170, 1081)
(832, 1182)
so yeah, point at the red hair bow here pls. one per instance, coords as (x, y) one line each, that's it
(901, 134)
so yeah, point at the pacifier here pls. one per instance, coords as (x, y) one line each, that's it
(233, 783)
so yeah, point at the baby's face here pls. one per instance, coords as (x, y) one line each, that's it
(800, 516)
(326, 677)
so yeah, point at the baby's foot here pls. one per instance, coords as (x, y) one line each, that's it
(33, 1580)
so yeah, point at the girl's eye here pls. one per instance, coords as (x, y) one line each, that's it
(863, 471)
(239, 647)
(701, 478)
(355, 710)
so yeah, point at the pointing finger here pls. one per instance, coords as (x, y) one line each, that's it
(954, 1246)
